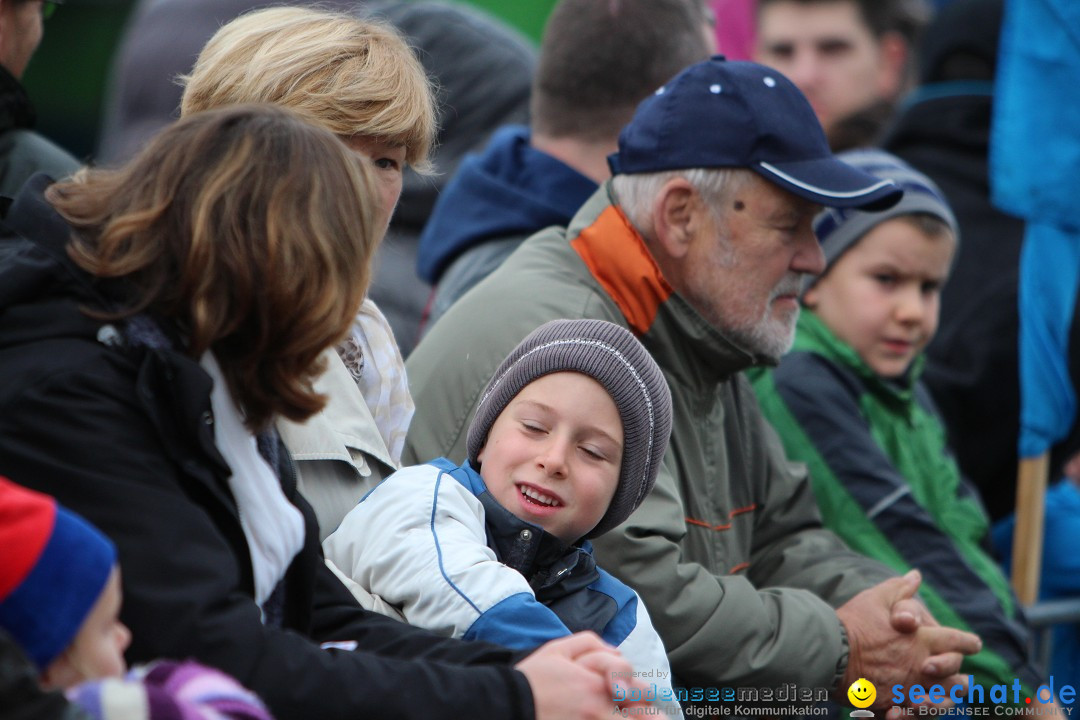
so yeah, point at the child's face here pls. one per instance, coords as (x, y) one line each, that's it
(882, 296)
(98, 648)
(553, 455)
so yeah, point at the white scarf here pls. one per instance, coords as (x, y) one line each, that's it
(273, 527)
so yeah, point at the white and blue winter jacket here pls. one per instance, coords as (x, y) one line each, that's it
(431, 541)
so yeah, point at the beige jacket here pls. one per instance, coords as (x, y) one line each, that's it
(339, 452)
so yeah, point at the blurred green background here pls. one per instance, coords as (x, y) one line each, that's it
(67, 76)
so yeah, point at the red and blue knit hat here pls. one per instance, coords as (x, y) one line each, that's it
(53, 568)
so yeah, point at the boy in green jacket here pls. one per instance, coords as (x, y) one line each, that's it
(848, 402)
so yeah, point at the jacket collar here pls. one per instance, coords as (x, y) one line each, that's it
(618, 259)
(813, 335)
(557, 574)
(344, 424)
(552, 568)
(519, 544)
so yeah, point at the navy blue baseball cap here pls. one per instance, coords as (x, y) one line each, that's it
(721, 114)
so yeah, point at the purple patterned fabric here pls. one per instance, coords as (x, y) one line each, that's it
(168, 690)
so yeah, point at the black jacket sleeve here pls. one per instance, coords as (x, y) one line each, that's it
(83, 432)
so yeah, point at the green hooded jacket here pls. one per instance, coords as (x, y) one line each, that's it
(886, 483)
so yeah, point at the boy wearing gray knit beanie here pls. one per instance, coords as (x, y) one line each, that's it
(586, 360)
(848, 401)
(881, 289)
(566, 443)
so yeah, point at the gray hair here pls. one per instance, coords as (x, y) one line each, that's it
(637, 192)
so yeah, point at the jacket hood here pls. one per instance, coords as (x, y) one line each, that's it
(961, 42)
(509, 189)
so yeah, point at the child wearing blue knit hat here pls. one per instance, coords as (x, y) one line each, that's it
(881, 288)
(849, 403)
(60, 602)
(59, 590)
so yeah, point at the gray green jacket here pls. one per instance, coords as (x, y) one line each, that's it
(728, 551)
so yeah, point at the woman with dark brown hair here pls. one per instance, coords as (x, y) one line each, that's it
(154, 321)
(252, 238)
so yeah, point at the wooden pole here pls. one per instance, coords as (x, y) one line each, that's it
(1028, 533)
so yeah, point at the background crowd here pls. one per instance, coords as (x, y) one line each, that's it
(390, 282)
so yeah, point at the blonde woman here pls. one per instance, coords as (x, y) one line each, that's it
(361, 81)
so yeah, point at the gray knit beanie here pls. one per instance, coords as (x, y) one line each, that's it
(838, 229)
(613, 357)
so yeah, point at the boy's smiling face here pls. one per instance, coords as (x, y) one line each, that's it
(554, 454)
(883, 295)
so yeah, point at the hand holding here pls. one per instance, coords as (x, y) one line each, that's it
(574, 677)
(924, 652)
(908, 615)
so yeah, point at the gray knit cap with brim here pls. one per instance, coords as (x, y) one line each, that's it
(838, 229)
(613, 357)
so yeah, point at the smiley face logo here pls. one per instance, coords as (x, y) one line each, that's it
(862, 693)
